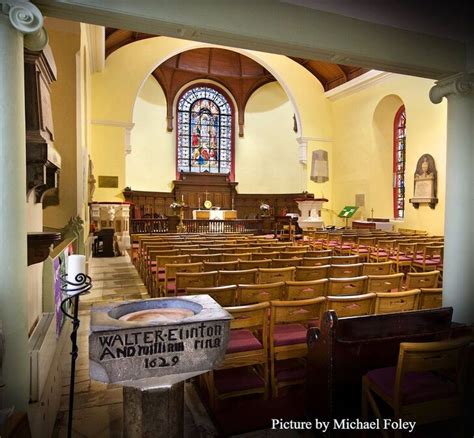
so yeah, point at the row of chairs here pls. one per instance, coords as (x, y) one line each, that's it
(340, 292)
(268, 338)
(178, 277)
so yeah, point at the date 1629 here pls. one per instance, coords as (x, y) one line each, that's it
(160, 362)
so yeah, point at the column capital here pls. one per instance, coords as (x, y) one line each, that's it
(26, 18)
(460, 84)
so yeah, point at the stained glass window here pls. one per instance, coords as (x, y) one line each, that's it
(204, 131)
(399, 141)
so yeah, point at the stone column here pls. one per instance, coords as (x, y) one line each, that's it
(458, 279)
(16, 18)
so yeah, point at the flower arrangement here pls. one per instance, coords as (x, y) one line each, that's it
(175, 205)
(264, 208)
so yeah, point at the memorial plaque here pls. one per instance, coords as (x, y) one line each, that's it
(156, 337)
(424, 188)
(108, 182)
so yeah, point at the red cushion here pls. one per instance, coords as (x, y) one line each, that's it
(242, 340)
(171, 287)
(161, 276)
(237, 379)
(153, 269)
(290, 369)
(416, 387)
(428, 262)
(288, 334)
(401, 258)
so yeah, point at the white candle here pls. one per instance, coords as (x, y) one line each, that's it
(76, 264)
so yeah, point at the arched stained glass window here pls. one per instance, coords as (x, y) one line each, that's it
(205, 131)
(399, 142)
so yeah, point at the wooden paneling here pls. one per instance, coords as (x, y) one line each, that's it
(192, 189)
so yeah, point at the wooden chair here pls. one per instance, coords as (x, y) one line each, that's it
(318, 253)
(266, 255)
(382, 251)
(220, 266)
(246, 249)
(431, 298)
(316, 261)
(285, 263)
(246, 358)
(307, 273)
(259, 293)
(345, 271)
(271, 275)
(347, 286)
(224, 295)
(195, 279)
(303, 290)
(345, 260)
(403, 256)
(250, 264)
(363, 247)
(243, 276)
(422, 280)
(391, 302)
(170, 275)
(236, 257)
(431, 259)
(195, 258)
(385, 283)
(376, 268)
(427, 385)
(161, 262)
(345, 306)
(288, 327)
(347, 243)
(191, 251)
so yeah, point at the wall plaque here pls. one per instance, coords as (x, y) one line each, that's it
(425, 185)
(108, 182)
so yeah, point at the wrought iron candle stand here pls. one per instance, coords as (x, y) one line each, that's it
(73, 289)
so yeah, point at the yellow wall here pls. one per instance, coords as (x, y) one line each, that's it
(115, 91)
(151, 165)
(362, 148)
(266, 159)
(63, 101)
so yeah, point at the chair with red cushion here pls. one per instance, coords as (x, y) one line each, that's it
(385, 283)
(431, 260)
(170, 275)
(224, 295)
(303, 290)
(403, 256)
(351, 305)
(431, 298)
(427, 385)
(376, 268)
(307, 273)
(245, 367)
(288, 349)
(422, 280)
(383, 250)
(391, 302)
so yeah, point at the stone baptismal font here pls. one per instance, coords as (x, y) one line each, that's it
(152, 347)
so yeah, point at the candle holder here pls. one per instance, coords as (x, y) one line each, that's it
(74, 289)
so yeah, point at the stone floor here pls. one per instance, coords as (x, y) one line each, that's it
(97, 406)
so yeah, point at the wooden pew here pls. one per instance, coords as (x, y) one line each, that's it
(342, 350)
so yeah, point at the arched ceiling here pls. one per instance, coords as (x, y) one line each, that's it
(236, 72)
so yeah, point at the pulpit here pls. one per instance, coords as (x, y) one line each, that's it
(310, 213)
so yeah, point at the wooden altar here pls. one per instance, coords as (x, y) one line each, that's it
(222, 215)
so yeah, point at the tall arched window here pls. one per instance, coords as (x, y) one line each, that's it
(205, 131)
(399, 142)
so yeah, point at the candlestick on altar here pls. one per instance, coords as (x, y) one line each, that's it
(372, 211)
(199, 203)
(232, 202)
(182, 198)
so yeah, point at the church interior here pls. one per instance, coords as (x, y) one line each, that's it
(230, 230)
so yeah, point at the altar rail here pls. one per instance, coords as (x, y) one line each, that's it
(254, 226)
(151, 226)
(264, 225)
